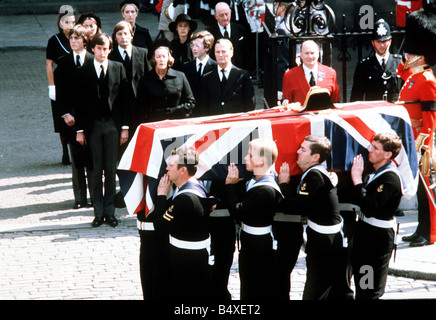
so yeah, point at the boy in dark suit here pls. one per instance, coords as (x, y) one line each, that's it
(201, 44)
(102, 123)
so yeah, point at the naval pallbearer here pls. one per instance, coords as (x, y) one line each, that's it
(418, 95)
(185, 218)
(378, 200)
(316, 198)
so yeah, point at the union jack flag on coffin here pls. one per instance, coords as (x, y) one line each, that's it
(220, 140)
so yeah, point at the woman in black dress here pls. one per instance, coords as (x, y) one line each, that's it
(182, 27)
(164, 93)
(57, 47)
(141, 35)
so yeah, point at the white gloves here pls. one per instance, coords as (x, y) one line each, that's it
(52, 92)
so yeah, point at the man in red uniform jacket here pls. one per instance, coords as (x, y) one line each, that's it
(298, 80)
(418, 95)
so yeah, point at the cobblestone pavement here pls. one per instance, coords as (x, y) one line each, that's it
(48, 250)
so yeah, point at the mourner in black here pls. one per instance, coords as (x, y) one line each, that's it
(375, 77)
(134, 60)
(201, 44)
(185, 218)
(102, 120)
(58, 46)
(226, 89)
(255, 212)
(66, 82)
(316, 198)
(164, 93)
(130, 11)
(378, 200)
(183, 28)
(235, 32)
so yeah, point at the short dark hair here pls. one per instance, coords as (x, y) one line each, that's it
(101, 39)
(390, 142)
(187, 158)
(320, 145)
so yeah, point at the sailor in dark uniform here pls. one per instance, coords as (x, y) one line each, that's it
(316, 198)
(378, 200)
(256, 213)
(186, 221)
(375, 77)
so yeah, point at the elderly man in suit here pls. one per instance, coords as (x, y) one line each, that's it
(227, 88)
(236, 33)
(298, 80)
(102, 120)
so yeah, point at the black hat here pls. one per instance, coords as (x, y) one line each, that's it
(123, 3)
(183, 17)
(381, 31)
(160, 42)
(420, 38)
(87, 15)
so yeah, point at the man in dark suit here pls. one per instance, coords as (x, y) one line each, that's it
(201, 44)
(375, 77)
(236, 33)
(102, 120)
(65, 77)
(226, 89)
(134, 60)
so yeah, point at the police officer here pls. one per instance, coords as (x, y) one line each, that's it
(375, 77)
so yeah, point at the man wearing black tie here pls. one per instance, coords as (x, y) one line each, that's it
(201, 44)
(102, 123)
(65, 78)
(375, 77)
(227, 88)
(235, 32)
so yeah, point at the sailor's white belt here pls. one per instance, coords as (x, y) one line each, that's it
(147, 226)
(325, 229)
(190, 245)
(281, 217)
(220, 213)
(386, 224)
(256, 231)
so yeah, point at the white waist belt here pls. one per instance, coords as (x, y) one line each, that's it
(325, 229)
(386, 224)
(220, 213)
(256, 231)
(190, 245)
(148, 226)
(280, 216)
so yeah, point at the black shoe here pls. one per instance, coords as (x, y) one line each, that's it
(411, 238)
(112, 221)
(399, 213)
(421, 241)
(97, 222)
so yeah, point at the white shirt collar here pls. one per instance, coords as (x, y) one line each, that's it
(307, 72)
(128, 49)
(82, 56)
(379, 58)
(203, 62)
(97, 66)
(226, 71)
(222, 29)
